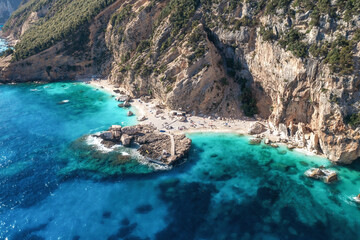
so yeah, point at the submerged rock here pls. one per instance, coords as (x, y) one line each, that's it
(255, 141)
(130, 113)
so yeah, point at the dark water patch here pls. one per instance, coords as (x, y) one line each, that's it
(188, 205)
(144, 209)
(24, 190)
(123, 232)
(125, 222)
(29, 233)
(106, 214)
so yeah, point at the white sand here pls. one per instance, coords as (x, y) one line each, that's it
(194, 124)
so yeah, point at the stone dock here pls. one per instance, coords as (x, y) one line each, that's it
(162, 147)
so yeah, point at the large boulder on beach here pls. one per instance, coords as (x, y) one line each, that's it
(256, 128)
(130, 113)
(142, 118)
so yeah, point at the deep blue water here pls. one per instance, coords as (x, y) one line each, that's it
(54, 186)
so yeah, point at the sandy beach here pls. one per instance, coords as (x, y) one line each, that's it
(163, 119)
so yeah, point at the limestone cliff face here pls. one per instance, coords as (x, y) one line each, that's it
(223, 58)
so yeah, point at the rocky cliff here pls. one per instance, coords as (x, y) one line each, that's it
(6, 8)
(295, 63)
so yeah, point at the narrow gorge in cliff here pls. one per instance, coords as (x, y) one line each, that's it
(179, 119)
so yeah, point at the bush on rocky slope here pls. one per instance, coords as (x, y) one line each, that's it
(63, 19)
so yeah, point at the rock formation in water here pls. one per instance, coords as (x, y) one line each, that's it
(295, 63)
(164, 148)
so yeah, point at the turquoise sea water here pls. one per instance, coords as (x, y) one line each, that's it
(53, 187)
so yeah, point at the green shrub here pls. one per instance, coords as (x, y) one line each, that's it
(180, 12)
(353, 119)
(340, 56)
(7, 52)
(267, 34)
(118, 17)
(292, 41)
(277, 4)
(142, 46)
(248, 102)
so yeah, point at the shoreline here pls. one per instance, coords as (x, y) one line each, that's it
(160, 118)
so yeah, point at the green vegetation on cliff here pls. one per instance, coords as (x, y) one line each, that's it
(63, 19)
(353, 119)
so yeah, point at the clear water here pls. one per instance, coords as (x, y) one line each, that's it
(226, 190)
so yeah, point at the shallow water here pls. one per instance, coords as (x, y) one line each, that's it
(226, 190)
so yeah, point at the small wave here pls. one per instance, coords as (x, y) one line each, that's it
(96, 142)
(155, 166)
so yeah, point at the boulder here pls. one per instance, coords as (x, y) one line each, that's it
(267, 141)
(331, 177)
(115, 131)
(123, 98)
(107, 135)
(127, 104)
(290, 146)
(130, 113)
(256, 128)
(274, 145)
(142, 118)
(108, 144)
(126, 140)
(316, 173)
(130, 130)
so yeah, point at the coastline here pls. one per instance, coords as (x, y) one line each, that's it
(193, 124)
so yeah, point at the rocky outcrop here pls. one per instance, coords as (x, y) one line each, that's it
(328, 176)
(158, 147)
